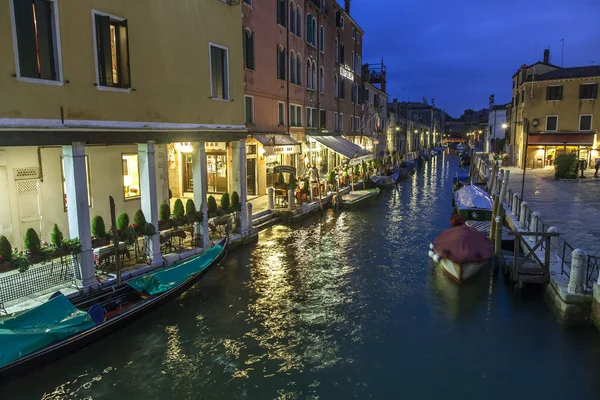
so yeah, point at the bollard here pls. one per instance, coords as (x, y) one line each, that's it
(515, 202)
(523, 219)
(291, 199)
(533, 224)
(505, 180)
(249, 216)
(553, 245)
(271, 193)
(577, 275)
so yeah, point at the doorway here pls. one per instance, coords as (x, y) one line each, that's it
(217, 172)
(6, 227)
(251, 176)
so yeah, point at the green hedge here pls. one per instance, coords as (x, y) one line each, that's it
(565, 166)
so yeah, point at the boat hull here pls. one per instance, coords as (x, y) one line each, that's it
(353, 202)
(475, 214)
(461, 272)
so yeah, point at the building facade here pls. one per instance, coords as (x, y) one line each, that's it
(495, 129)
(100, 99)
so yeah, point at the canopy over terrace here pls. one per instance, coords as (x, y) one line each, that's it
(544, 147)
(343, 147)
(278, 144)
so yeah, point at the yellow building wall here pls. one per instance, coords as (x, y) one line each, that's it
(169, 61)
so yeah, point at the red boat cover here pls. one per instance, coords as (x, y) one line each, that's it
(462, 244)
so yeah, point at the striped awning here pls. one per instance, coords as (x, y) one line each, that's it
(342, 146)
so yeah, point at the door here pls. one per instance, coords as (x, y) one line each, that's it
(29, 203)
(6, 228)
(188, 175)
(216, 165)
(251, 176)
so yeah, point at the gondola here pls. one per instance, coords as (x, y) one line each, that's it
(91, 322)
(385, 182)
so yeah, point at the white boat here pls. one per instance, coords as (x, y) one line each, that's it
(474, 203)
(461, 251)
(461, 147)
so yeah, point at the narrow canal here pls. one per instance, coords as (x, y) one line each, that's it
(347, 306)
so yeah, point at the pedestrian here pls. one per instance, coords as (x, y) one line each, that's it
(597, 167)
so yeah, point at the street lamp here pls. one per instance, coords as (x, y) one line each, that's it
(504, 125)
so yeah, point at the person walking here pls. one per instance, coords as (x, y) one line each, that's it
(597, 167)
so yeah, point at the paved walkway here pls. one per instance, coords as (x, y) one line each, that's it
(573, 206)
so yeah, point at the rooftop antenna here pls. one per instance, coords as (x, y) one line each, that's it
(562, 53)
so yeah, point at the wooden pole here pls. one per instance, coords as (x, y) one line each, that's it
(113, 223)
(498, 206)
(498, 235)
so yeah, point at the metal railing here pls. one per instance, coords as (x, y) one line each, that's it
(38, 278)
(593, 269)
(566, 262)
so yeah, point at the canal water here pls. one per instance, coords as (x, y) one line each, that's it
(347, 306)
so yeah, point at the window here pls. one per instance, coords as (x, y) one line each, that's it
(357, 63)
(299, 69)
(357, 123)
(336, 86)
(64, 186)
(336, 50)
(588, 91)
(341, 121)
(131, 176)
(311, 117)
(112, 51)
(293, 19)
(353, 33)
(322, 80)
(352, 60)
(280, 62)
(309, 29)
(585, 122)
(342, 59)
(354, 93)
(295, 115)
(553, 93)
(342, 88)
(37, 39)
(552, 123)
(339, 19)
(336, 125)
(314, 31)
(311, 74)
(518, 94)
(281, 12)
(299, 22)
(219, 72)
(249, 101)
(249, 2)
(523, 96)
(293, 67)
(323, 118)
(248, 42)
(281, 116)
(322, 39)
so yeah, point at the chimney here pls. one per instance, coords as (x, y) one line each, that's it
(547, 56)
(395, 100)
(347, 6)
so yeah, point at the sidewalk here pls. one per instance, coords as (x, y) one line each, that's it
(573, 206)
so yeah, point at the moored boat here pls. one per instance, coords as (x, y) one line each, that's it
(473, 203)
(58, 328)
(359, 198)
(461, 251)
(385, 182)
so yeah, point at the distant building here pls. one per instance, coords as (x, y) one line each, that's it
(553, 112)
(495, 129)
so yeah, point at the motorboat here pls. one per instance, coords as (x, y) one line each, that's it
(473, 203)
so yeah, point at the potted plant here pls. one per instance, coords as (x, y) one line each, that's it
(139, 222)
(211, 205)
(99, 236)
(235, 202)
(179, 213)
(5, 254)
(33, 245)
(280, 181)
(225, 203)
(20, 261)
(164, 216)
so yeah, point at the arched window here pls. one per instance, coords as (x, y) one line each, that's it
(314, 31)
(248, 49)
(314, 75)
(281, 12)
(298, 67)
(292, 67)
(342, 59)
(280, 62)
(299, 22)
(322, 80)
(293, 17)
(322, 39)
(309, 82)
(352, 60)
(309, 30)
(336, 50)
(336, 86)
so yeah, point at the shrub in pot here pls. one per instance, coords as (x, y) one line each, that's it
(56, 236)
(211, 204)
(164, 216)
(225, 202)
(565, 166)
(139, 221)
(5, 249)
(32, 241)
(190, 207)
(122, 222)
(178, 210)
(280, 180)
(98, 227)
(235, 202)
(292, 182)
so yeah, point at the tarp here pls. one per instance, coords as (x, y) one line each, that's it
(342, 146)
(472, 197)
(51, 322)
(171, 277)
(462, 244)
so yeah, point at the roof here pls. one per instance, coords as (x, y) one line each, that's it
(570, 73)
(338, 6)
(532, 65)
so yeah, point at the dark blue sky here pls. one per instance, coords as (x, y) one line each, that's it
(461, 51)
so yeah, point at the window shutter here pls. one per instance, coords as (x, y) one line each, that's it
(547, 94)
(124, 55)
(43, 13)
(560, 93)
(104, 55)
(595, 91)
(580, 92)
(245, 48)
(252, 60)
(26, 38)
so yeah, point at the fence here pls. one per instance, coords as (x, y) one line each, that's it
(37, 279)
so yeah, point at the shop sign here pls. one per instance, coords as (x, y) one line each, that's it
(346, 72)
(216, 146)
(286, 149)
(285, 169)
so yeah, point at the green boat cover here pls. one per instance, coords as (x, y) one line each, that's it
(51, 322)
(171, 277)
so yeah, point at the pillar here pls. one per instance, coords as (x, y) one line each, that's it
(271, 195)
(523, 219)
(578, 268)
(291, 199)
(78, 211)
(149, 196)
(200, 174)
(515, 202)
(249, 215)
(239, 178)
(553, 245)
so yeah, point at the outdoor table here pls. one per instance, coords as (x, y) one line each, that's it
(103, 255)
(166, 238)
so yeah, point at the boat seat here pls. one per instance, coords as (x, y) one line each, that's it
(97, 313)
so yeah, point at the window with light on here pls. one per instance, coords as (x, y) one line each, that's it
(131, 176)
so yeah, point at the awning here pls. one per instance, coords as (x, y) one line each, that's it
(342, 146)
(278, 144)
(562, 139)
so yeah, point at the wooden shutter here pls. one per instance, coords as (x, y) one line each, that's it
(547, 94)
(278, 64)
(103, 48)
(43, 13)
(245, 48)
(26, 38)
(560, 93)
(580, 92)
(251, 52)
(124, 55)
(595, 91)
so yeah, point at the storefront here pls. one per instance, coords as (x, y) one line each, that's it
(329, 152)
(543, 148)
(274, 150)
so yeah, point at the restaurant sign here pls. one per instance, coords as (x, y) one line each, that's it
(346, 72)
(286, 149)
(285, 169)
(216, 146)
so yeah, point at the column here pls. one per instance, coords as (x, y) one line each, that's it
(149, 197)
(200, 174)
(238, 176)
(78, 211)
